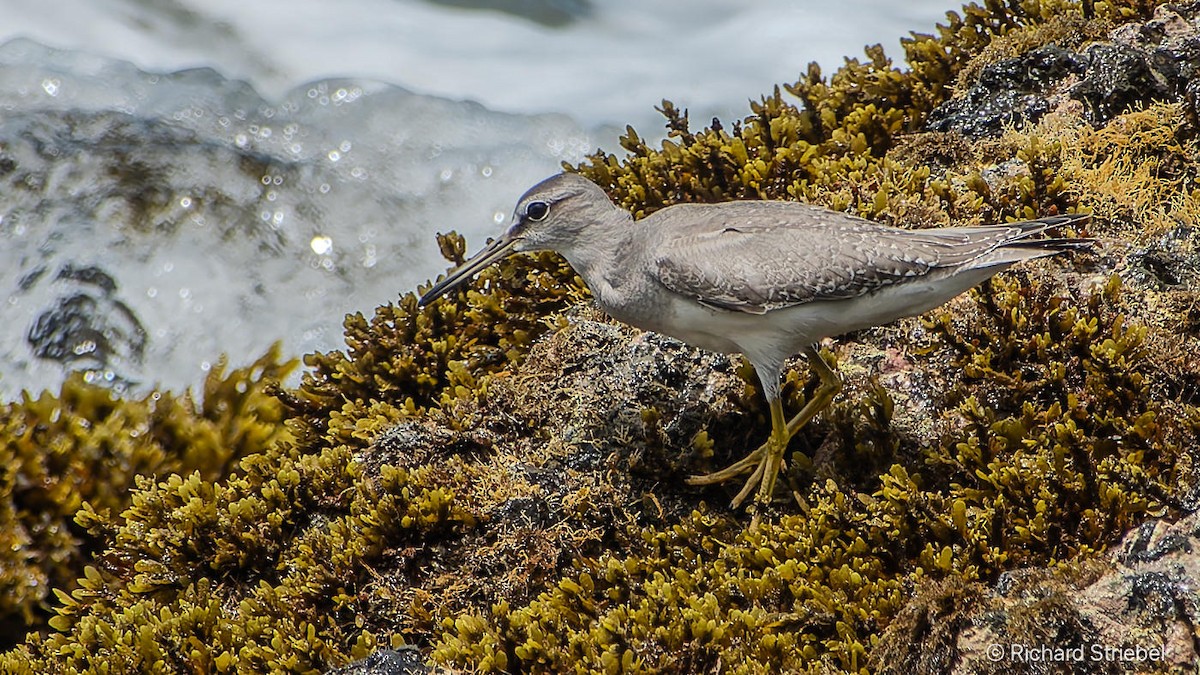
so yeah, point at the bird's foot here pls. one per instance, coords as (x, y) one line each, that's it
(748, 463)
(764, 463)
(756, 463)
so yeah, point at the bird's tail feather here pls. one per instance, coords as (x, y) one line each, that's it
(1024, 247)
(1058, 244)
(1028, 229)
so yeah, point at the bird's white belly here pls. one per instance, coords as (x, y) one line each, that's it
(726, 331)
(788, 330)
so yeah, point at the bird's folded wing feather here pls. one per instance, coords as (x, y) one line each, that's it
(759, 267)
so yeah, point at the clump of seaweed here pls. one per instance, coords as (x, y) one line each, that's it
(85, 448)
(404, 359)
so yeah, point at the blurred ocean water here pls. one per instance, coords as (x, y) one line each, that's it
(184, 179)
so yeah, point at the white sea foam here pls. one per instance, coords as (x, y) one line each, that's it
(151, 222)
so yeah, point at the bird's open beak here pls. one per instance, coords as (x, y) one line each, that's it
(497, 249)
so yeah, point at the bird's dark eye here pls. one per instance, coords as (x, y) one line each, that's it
(537, 210)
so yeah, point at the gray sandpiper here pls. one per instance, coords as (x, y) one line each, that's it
(766, 279)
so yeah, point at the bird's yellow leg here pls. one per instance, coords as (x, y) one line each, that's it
(766, 460)
(782, 433)
(831, 384)
(769, 466)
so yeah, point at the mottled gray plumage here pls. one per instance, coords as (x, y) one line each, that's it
(765, 279)
(717, 259)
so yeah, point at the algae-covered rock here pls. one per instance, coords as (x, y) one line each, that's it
(1104, 76)
(1136, 610)
(495, 480)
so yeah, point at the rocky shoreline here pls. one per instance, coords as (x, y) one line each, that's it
(494, 483)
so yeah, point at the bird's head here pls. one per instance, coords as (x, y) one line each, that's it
(552, 215)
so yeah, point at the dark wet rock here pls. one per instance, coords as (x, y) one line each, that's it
(1011, 92)
(415, 443)
(1118, 78)
(1140, 64)
(1165, 271)
(88, 326)
(386, 662)
(528, 511)
(1170, 261)
(609, 396)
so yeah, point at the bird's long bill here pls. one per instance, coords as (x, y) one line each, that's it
(499, 248)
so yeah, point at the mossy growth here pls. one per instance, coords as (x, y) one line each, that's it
(85, 448)
(1052, 434)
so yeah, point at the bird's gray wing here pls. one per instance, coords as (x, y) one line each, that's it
(769, 255)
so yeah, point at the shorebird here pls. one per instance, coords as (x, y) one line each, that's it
(766, 279)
